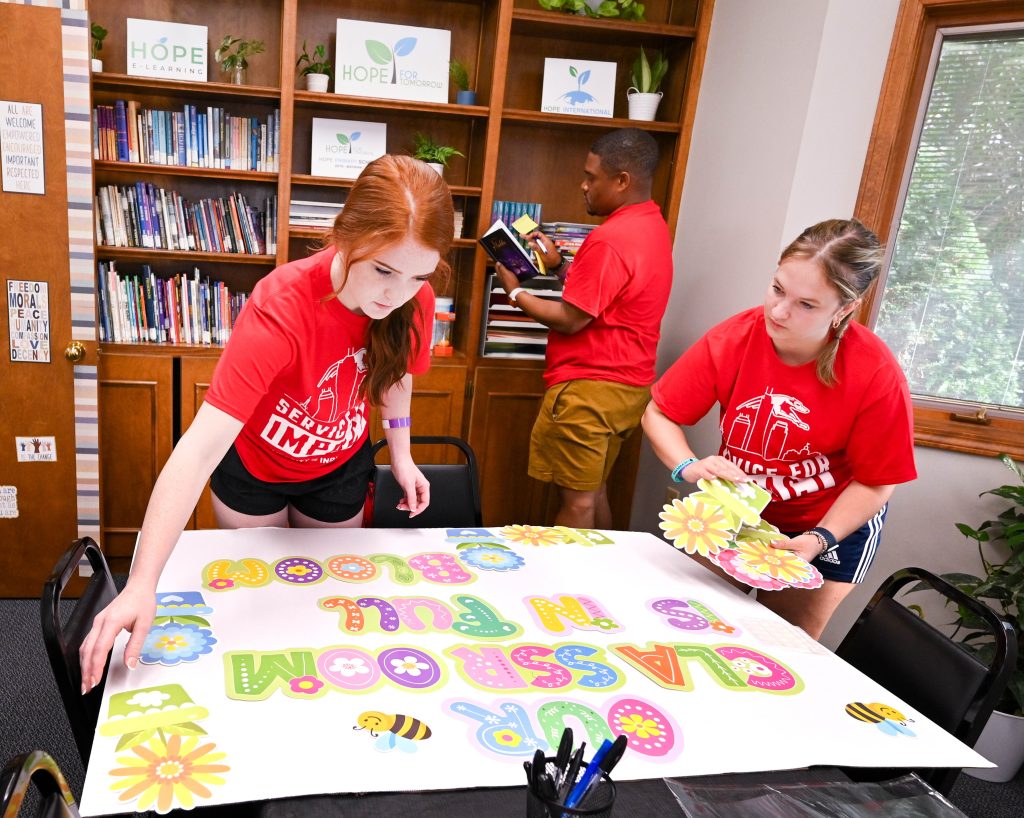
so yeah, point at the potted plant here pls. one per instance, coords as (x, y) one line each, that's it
(1002, 588)
(435, 155)
(233, 55)
(460, 76)
(317, 69)
(98, 34)
(643, 95)
(626, 9)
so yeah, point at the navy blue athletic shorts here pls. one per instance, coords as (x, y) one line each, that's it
(332, 498)
(850, 559)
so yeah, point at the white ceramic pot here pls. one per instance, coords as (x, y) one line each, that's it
(642, 106)
(97, 66)
(317, 82)
(437, 166)
(1002, 743)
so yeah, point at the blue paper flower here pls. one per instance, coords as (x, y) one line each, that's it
(490, 558)
(172, 643)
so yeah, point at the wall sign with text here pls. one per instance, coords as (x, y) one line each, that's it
(21, 147)
(393, 62)
(28, 313)
(578, 87)
(342, 147)
(172, 51)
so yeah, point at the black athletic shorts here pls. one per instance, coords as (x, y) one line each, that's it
(332, 498)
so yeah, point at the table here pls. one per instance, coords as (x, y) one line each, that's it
(296, 662)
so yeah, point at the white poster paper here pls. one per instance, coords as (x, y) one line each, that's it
(343, 147)
(28, 313)
(455, 655)
(578, 87)
(173, 51)
(393, 62)
(21, 147)
(36, 449)
(8, 502)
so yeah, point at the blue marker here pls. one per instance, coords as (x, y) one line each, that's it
(590, 775)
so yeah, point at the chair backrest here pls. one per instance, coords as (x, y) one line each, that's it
(925, 667)
(64, 638)
(454, 491)
(55, 798)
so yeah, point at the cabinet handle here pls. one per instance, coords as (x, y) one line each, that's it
(75, 352)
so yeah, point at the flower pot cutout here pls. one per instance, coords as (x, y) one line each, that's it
(237, 75)
(438, 167)
(642, 106)
(465, 98)
(317, 82)
(97, 66)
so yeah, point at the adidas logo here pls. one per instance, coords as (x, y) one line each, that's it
(830, 556)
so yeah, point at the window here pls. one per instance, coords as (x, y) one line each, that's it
(951, 194)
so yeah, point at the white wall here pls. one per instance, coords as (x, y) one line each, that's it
(786, 106)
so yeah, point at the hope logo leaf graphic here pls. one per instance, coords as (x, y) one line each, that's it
(378, 52)
(404, 47)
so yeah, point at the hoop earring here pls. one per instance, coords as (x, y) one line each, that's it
(836, 322)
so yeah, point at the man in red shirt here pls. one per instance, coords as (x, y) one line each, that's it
(604, 332)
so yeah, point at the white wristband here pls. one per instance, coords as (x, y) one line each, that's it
(514, 294)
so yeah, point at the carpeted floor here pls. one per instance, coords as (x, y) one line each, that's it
(33, 717)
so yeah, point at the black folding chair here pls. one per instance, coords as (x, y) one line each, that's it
(55, 798)
(926, 668)
(64, 638)
(454, 491)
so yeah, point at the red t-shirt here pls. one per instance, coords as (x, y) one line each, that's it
(292, 369)
(800, 439)
(621, 276)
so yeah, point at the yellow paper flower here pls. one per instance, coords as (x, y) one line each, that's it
(760, 558)
(531, 534)
(169, 775)
(635, 723)
(695, 527)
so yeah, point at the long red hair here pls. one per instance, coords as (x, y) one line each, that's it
(395, 197)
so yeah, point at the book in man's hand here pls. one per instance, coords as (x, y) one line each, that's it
(503, 247)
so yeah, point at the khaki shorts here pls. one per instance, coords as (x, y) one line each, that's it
(580, 429)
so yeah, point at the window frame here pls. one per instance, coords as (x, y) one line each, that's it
(954, 425)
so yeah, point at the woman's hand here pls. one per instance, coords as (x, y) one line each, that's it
(806, 546)
(414, 485)
(711, 467)
(132, 610)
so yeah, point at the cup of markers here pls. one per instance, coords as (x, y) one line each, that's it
(565, 785)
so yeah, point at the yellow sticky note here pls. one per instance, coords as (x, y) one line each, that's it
(524, 224)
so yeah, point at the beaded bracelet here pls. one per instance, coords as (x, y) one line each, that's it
(677, 472)
(825, 537)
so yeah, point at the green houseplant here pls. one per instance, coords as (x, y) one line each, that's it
(98, 34)
(435, 155)
(1001, 587)
(646, 75)
(459, 72)
(316, 68)
(626, 9)
(233, 55)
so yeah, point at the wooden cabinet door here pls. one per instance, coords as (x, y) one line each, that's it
(137, 430)
(505, 404)
(195, 375)
(438, 397)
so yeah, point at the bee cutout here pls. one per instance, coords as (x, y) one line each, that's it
(393, 732)
(887, 719)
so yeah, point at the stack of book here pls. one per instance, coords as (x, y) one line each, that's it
(142, 308)
(303, 213)
(192, 137)
(143, 215)
(510, 212)
(567, 236)
(508, 331)
(458, 223)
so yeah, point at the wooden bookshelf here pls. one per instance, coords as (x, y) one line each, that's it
(512, 151)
